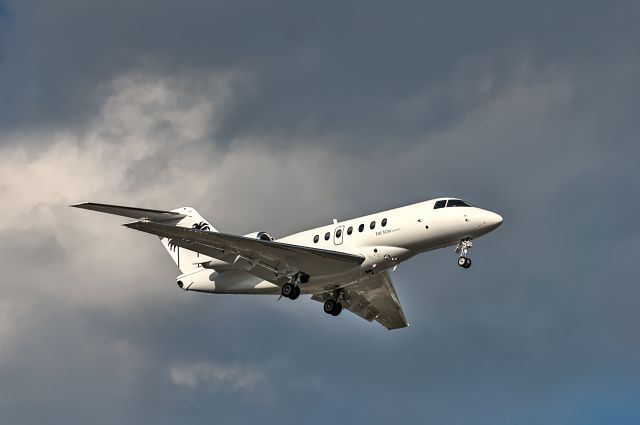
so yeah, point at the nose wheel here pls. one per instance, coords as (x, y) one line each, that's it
(463, 250)
(464, 262)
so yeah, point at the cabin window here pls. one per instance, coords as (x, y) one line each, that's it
(440, 204)
(338, 233)
(384, 222)
(372, 225)
(361, 228)
(316, 238)
(350, 230)
(327, 236)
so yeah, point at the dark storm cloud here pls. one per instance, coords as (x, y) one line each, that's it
(352, 72)
(526, 109)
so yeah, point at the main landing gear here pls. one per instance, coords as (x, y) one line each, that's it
(332, 307)
(291, 289)
(463, 249)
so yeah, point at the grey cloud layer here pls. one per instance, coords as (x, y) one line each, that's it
(350, 71)
(234, 108)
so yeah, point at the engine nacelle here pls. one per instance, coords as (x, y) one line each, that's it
(204, 280)
(382, 257)
(263, 236)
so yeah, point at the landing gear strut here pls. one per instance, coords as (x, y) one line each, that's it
(463, 249)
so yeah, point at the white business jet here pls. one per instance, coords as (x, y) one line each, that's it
(344, 264)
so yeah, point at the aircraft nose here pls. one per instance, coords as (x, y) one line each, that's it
(493, 220)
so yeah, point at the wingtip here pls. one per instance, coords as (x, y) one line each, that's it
(80, 205)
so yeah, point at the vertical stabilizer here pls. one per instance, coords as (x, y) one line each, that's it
(185, 259)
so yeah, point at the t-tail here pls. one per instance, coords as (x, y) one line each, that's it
(185, 259)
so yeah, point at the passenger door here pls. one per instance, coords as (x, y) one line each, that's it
(338, 235)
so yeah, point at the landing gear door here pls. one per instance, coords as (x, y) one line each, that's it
(338, 235)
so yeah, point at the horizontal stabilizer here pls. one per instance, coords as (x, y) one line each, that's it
(137, 213)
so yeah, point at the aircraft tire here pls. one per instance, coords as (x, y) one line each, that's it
(287, 290)
(467, 263)
(337, 309)
(462, 261)
(329, 306)
(295, 293)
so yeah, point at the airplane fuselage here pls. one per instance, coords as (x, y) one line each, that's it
(384, 239)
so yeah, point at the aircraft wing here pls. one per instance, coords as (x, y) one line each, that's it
(372, 299)
(138, 213)
(269, 260)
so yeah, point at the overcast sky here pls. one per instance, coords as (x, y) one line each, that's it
(280, 116)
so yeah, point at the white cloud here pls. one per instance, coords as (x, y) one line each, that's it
(153, 145)
(215, 376)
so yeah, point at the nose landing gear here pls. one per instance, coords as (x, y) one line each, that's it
(464, 262)
(463, 249)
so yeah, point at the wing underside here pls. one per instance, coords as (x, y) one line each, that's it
(372, 298)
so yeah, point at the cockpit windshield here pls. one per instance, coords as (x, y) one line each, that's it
(451, 203)
(457, 203)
